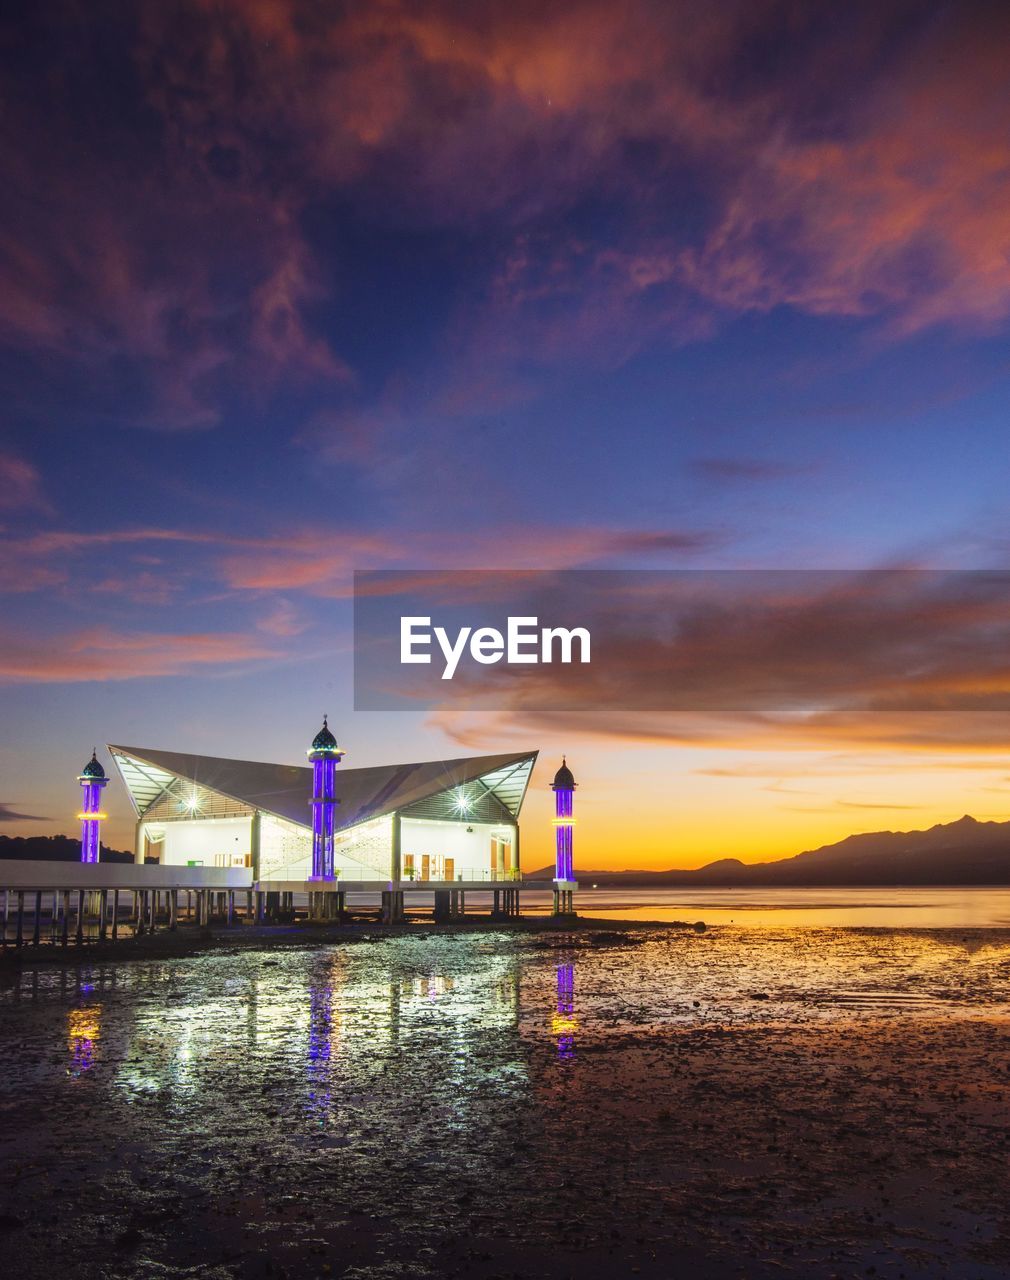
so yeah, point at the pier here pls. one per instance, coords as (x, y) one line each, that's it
(73, 904)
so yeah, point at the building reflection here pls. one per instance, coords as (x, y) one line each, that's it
(83, 1029)
(564, 1023)
(323, 1036)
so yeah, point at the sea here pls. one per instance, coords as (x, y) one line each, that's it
(973, 907)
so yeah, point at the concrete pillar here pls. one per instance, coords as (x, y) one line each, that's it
(65, 923)
(255, 830)
(516, 873)
(103, 915)
(396, 860)
(248, 906)
(392, 906)
(37, 918)
(19, 937)
(80, 918)
(138, 843)
(229, 918)
(173, 910)
(261, 906)
(115, 914)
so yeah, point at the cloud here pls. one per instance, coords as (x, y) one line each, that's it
(743, 469)
(103, 654)
(635, 174)
(7, 814)
(21, 486)
(878, 660)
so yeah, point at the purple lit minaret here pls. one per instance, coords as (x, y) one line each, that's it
(563, 786)
(92, 779)
(325, 756)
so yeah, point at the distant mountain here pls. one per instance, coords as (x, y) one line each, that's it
(53, 849)
(962, 852)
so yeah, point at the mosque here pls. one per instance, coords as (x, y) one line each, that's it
(436, 823)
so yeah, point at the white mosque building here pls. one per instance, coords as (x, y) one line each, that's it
(440, 822)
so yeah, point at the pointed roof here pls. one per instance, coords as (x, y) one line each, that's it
(324, 742)
(284, 790)
(93, 769)
(564, 779)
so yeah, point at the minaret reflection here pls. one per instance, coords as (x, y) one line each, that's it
(323, 1037)
(564, 1023)
(83, 1030)
(83, 1025)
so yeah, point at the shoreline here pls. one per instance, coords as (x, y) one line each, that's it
(189, 941)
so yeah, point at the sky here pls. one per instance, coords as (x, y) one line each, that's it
(289, 290)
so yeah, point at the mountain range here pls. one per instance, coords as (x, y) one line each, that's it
(963, 852)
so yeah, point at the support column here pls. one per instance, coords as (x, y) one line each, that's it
(37, 918)
(392, 906)
(138, 842)
(19, 938)
(80, 918)
(103, 917)
(396, 855)
(65, 923)
(230, 912)
(173, 910)
(115, 914)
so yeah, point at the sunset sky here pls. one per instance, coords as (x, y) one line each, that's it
(291, 289)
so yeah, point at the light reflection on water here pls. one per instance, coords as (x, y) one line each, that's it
(418, 1080)
(332, 1027)
(886, 907)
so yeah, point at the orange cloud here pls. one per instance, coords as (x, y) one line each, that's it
(879, 660)
(103, 654)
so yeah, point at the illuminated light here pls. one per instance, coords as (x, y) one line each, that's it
(462, 801)
(92, 780)
(325, 756)
(563, 786)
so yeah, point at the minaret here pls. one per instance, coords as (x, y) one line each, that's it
(92, 779)
(325, 756)
(563, 786)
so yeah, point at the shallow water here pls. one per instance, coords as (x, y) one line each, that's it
(427, 1088)
(972, 907)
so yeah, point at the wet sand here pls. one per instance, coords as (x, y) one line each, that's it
(490, 1104)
